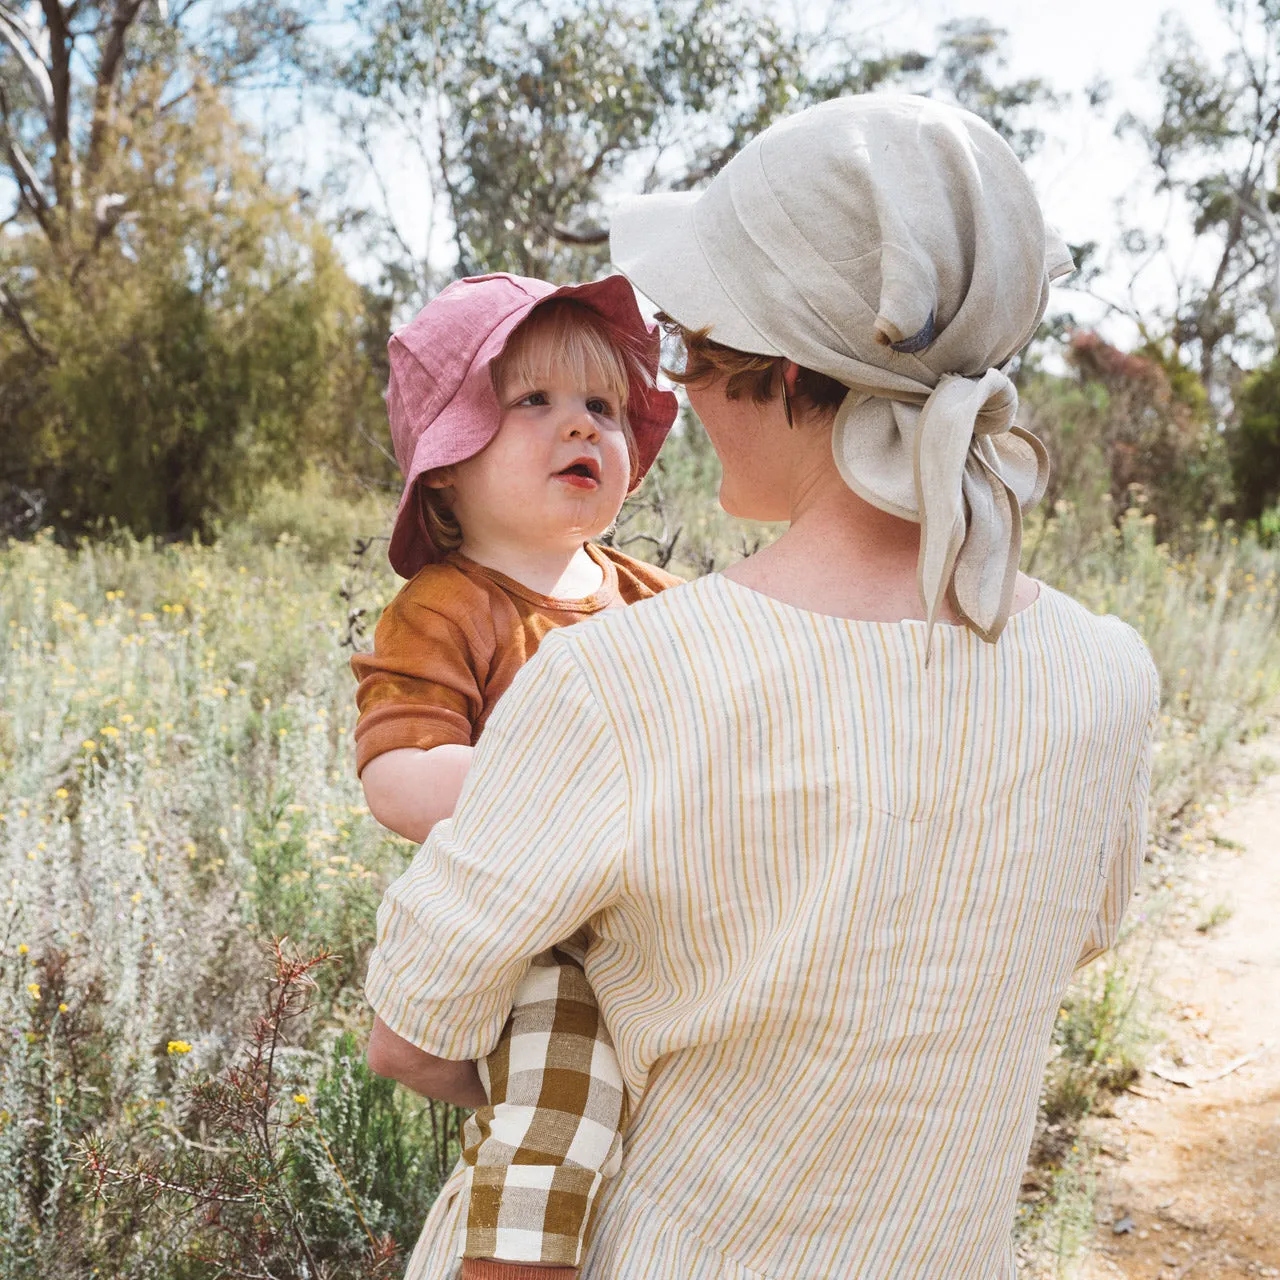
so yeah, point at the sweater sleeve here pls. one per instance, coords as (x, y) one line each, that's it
(422, 684)
(532, 852)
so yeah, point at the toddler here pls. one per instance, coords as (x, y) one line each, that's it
(522, 415)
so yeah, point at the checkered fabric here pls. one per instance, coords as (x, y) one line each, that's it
(538, 1155)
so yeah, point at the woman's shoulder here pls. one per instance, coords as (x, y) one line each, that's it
(1066, 611)
(1099, 646)
(648, 624)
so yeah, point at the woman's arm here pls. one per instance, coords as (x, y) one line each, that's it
(533, 851)
(409, 791)
(1129, 846)
(441, 1078)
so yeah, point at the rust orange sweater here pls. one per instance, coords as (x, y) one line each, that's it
(450, 643)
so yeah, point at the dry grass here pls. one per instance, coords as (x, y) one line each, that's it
(176, 786)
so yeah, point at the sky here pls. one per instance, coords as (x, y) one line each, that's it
(1082, 171)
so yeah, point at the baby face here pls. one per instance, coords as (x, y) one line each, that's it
(558, 469)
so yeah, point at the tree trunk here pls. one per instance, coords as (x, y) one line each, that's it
(60, 48)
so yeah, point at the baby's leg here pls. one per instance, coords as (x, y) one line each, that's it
(540, 1152)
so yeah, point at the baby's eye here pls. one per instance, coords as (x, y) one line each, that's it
(534, 398)
(597, 404)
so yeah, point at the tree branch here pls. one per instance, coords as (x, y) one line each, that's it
(568, 236)
(10, 309)
(25, 43)
(58, 28)
(122, 19)
(31, 192)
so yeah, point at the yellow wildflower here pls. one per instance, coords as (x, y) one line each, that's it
(301, 1099)
(178, 1046)
(33, 989)
(23, 948)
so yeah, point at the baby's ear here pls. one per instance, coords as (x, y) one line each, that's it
(438, 478)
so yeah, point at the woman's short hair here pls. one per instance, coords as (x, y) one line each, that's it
(747, 373)
(573, 335)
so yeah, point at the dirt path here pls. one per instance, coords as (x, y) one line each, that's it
(1191, 1175)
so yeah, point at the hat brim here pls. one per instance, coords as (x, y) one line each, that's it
(468, 423)
(653, 241)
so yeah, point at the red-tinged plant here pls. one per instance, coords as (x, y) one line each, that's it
(230, 1190)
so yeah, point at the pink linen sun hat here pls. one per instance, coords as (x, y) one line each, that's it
(440, 397)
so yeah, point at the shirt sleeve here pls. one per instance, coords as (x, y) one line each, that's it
(1127, 850)
(532, 852)
(419, 687)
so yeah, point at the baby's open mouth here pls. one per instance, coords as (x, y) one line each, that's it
(582, 473)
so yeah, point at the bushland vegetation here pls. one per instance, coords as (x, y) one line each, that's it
(176, 1098)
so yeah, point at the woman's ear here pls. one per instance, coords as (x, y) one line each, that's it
(790, 373)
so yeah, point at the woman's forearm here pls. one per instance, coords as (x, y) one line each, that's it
(398, 1059)
(408, 791)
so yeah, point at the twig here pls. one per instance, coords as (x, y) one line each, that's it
(1188, 1080)
(104, 1173)
(192, 1145)
(1189, 1265)
(570, 236)
(10, 308)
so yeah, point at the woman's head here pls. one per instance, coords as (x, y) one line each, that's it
(894, 245)
(743, 400)
(564, 455)
(443, 398)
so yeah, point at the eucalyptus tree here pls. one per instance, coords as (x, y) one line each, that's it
(172, 325)
(78, 80)
(1214, 147)
(524, 118)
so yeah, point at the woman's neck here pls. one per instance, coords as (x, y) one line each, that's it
(840, 555)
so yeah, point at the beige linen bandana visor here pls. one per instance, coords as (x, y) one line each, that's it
(896, 245)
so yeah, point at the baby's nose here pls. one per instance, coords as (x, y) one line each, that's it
(582, 424)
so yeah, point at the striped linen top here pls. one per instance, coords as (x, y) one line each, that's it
(833, 898)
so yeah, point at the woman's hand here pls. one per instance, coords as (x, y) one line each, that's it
(396, 1058)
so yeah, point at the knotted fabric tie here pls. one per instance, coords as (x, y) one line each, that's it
(894, 244)
(972, 489)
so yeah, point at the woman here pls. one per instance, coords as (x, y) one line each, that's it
(841, 821)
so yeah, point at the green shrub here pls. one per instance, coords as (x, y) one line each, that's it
(212, 343)
(393, 1152)
(1254, 443)
(1100, 1040)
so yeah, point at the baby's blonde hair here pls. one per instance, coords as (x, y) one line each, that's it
(568, 334)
